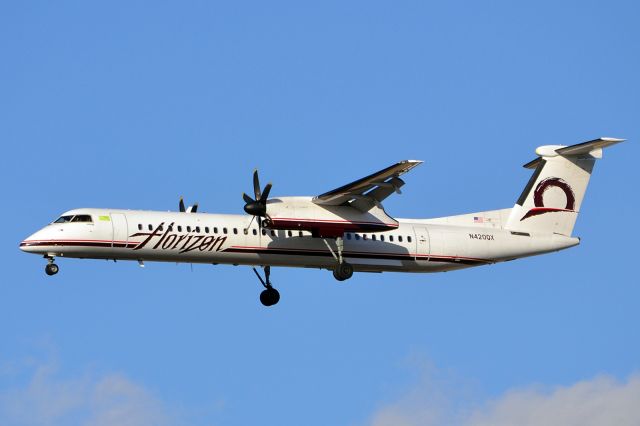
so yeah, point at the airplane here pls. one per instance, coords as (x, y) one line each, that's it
(345, 230)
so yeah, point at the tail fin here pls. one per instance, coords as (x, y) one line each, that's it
(551, 200)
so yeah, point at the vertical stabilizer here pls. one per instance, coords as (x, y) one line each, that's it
(551, 201)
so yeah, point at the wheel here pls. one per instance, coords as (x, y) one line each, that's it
(343, 271)
(269, 296)
(51, 269)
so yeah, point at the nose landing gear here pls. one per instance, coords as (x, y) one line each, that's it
(269, 296)
(51, 268)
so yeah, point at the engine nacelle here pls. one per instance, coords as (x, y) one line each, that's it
(300, 213)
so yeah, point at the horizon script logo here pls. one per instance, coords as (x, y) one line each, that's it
(538, 197)
(184, 243)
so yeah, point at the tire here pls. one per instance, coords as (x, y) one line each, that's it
(51, 269)
(343, 271)
(336, 275)
(269, 297)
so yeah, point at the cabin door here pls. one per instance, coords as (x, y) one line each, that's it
(422, 242)
(120, 231)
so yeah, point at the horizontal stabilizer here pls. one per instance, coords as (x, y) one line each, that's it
(587, 147)
(592, 148)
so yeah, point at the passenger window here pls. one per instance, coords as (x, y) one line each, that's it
(357, 236)
(348, 236)
(409, 238)
(215, 229)
(197, 229)
(299, 233)
(150, 228)
(288, 233)
(63, 219)
(373, 237)
(206, 229)
(179, 228)
(255, 232)
(170, 228)
(273, 233)
(139, 227)
(188, 228)
(391, 238)
(364, 236)
(381, 237)
(224, 230)
(160, 228)
(264, 232)
(235, 230)
(399, 238)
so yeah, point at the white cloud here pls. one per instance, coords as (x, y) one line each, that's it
(47, 399)
(602, 400)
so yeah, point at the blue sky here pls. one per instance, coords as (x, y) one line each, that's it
(132, 104)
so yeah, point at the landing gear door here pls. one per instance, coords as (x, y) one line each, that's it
(422, 242)
(120, 232)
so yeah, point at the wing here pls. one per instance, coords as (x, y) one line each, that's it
(369, 190)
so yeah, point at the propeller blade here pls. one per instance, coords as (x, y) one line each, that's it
(247, 199)
(265, 193)
(256, 185)
(181, 205)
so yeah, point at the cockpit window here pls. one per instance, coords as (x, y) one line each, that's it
(81, 218)
(72, 218)
(64, 219)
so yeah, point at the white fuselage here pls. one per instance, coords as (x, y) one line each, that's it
(416, 245)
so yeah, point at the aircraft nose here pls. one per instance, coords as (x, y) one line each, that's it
(25, 246)
(29, 244)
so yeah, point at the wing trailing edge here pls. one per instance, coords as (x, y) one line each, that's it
(368, 190)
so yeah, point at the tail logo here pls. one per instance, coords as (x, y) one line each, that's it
(538, 197)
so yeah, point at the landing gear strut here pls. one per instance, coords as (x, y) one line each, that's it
(51, 268)
(343, 270)
(269, 296)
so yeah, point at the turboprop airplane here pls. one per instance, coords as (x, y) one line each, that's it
(343, 230)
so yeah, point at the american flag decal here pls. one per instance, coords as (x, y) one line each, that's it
(477, 219)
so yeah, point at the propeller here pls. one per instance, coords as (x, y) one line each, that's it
(190, 209)
(257, 206)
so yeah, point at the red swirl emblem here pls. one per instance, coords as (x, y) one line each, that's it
(538, 197)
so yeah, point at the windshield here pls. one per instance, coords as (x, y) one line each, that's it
(72, 218)
(64, 219)
(81, 218)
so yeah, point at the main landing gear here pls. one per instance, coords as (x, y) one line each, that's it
(269, 296)
(343, 270)
(51, 268)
